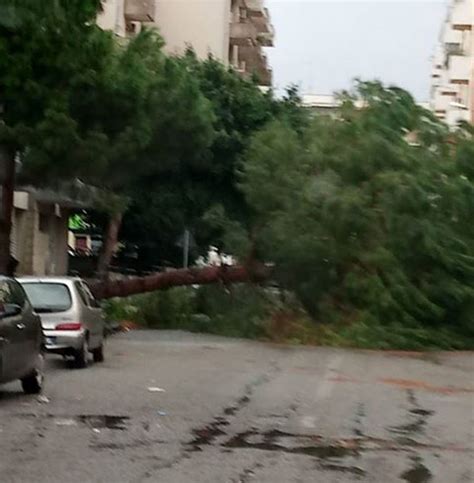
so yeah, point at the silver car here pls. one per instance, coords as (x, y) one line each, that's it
(72, 320)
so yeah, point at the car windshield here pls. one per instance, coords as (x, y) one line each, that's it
(48, 297)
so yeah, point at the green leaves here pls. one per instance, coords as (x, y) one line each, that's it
(367, 216)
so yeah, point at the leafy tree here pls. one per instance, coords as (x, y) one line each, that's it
(107, 112)
(367, 216)
(169, 123)
(48, 51)
(200, 194)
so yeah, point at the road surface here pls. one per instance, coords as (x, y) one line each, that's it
(176, 407)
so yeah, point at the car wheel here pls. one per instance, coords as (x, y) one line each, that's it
(33, 383)
(81, 356)
(98, 353)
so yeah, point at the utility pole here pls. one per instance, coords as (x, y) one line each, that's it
(186, 248)
(7, 187)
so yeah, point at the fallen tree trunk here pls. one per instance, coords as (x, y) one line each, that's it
(179, 278)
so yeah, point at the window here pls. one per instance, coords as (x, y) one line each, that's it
(93, 301)
(48, 297)
(18, 295)
(82, 293)
(5, 293)
(43, 223)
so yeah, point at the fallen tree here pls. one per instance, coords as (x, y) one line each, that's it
(191, 276)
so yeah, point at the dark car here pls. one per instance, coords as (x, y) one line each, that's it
(20, 338)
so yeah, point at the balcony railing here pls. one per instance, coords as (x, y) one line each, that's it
(140, 10)
(461, 15)
(261, 18)
(243, 33)
(459, 69)
(256, 64)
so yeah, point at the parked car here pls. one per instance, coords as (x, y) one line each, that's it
(73, 322)
(20, 338)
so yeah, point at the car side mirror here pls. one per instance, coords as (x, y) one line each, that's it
(9, 310)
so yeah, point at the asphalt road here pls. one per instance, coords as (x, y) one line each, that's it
(236, 411)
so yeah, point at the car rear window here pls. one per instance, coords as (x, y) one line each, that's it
(48, 297)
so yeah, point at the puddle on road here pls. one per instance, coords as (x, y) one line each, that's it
(353, 470)
(94, 421)
(271, 441)
(207, 435)
(104, 421)
(417, 418)
(418, 473)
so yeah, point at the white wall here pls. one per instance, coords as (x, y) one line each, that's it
(204, 24)
(112, 16)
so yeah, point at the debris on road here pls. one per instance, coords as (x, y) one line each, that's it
(162, 413)
(156, 389)
(43, 399)
(66, 422)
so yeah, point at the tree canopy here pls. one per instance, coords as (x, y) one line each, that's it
(367, 215)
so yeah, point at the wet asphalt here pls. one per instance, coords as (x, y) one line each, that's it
(176, 407)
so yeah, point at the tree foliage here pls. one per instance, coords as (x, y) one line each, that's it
(49, 51)
(198, 188)
(368, 216)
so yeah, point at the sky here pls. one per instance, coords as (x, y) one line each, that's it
(321, 45)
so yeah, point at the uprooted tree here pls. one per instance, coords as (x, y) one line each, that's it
(366, 216)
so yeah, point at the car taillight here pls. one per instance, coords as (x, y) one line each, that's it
(69, 326)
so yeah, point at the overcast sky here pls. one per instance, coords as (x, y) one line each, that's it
(322, 44)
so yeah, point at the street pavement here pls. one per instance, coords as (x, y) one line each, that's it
(176, 407)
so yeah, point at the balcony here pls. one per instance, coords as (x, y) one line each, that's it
(440, 102)
(457, 114)
(243, 33)
(255, 63)
(140, 10)
(260, 16)
(266, 32)
(451, 36)
(461, 15)
(459, 70)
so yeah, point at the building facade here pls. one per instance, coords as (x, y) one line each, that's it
(233, 31)
(39, 237)
(452, 91)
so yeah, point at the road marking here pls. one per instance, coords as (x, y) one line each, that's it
(326, 385)
(324, 388)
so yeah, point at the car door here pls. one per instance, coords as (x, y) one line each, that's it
(30, 334)
(96, 313)
(89, 315)
(13, 358)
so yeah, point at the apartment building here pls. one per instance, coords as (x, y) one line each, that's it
(233, 31)
(452, 92)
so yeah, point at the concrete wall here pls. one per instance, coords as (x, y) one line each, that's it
(112, 16)
(204, 24)
(40, 239)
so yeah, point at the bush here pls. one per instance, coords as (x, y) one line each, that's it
(267, 314)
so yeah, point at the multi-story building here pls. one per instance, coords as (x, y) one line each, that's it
(232, 31)
(452, 92)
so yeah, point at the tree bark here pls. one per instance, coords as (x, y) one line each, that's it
(7, 188)
(183, 277)
(109, 246)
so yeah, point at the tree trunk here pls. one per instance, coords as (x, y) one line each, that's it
(7, 188)
(110, 244)
(183, 277)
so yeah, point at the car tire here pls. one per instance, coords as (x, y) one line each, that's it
(81, 356)
(33, 383)
(98, 354)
